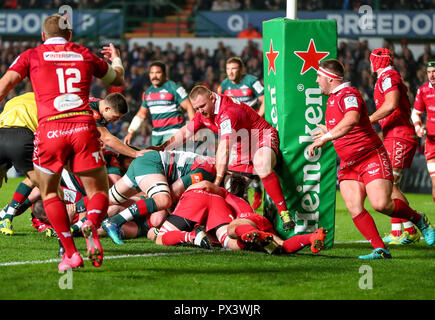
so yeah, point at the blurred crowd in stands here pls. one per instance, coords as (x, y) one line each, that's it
(311, 5)
(228, 5)
(189, 67)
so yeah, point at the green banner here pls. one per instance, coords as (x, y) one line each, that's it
(294, 105)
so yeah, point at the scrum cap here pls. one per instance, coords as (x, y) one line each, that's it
(381, 58)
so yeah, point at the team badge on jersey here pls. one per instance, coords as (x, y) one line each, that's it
(350, 102)
(225, 127)
(386, 84)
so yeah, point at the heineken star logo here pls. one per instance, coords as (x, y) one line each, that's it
(311, 57)
(271, 57)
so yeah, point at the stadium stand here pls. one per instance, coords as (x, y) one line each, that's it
(189, 67)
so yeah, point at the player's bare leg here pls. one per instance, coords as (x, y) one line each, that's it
(158, 197)
(431, 169)
(379, 193)
(264, 161)
(354, 194)
(20, 202)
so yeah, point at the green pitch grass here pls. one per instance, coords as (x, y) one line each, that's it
(141, 270)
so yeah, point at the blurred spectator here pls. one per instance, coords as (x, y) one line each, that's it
(220, 5)
(275, 4)
(234, 5)
(10, 4)
(188, 67)
(250, 32)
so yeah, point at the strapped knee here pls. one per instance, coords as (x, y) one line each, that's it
(431, 168)
(115, 196)
(159, 187)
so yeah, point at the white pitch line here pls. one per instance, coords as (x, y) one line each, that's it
(18, 263)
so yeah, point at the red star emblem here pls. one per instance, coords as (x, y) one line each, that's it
(311, 57)
(271, 57)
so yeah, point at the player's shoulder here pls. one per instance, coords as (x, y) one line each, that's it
(86, 53)
(225, 83)
(349, 95)
(170, 85)
(391, 73)
(249, 78)
(30, 51)
(425, 87)
(177, 88)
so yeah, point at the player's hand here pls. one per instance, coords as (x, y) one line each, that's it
(200, 185)
(315, 145)
(372, 120)
(318, 133)
(3, 175)
(140, 153)
(421, 132)
(128, 138)
(71, 209)
(110, 52)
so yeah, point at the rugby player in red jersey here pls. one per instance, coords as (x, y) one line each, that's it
(365, 169)
(393, 111)
(256, 141)
(425, 102)
(248, 89)
(230, 220)
(61, 73)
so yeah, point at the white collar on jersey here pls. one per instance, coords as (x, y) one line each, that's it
(341, 86)
(385, 69)
(55, 40)
(430, 85)
(217, 103)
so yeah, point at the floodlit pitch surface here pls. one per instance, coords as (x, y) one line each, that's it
(139, 269)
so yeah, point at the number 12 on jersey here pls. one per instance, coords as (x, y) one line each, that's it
(76, 78)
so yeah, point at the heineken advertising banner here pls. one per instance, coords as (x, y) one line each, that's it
(294, 106)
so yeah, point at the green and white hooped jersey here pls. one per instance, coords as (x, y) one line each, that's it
(247, 91)
(163, 103)
(177, 163)
(172, 164)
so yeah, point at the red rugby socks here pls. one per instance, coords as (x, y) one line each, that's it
(171, 238)
(97, 208)
(57, 215)
(273, 188)
(366, 225)
(296, 243)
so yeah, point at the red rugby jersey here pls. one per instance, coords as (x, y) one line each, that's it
(362, 137)
(425, 101)
(398, 123)
(230, 117)
(61, 74)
